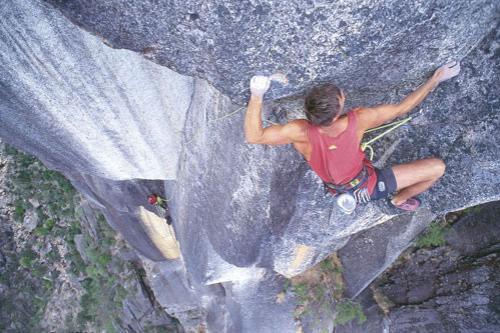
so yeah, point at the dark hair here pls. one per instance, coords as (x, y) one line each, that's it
(322, 104)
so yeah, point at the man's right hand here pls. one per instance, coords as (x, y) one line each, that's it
(447, 71)
(259, 85)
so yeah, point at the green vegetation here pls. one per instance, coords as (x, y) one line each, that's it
(19, 211)
(319, 289)
(433, 236)
(27, 259)
(27, 181)
(45, 228)
(347, 311)
(472, 209)
(301, 291)
(102, 302)
(52, 198)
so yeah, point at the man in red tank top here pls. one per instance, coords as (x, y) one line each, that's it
(330, 141)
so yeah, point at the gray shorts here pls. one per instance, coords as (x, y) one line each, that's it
(386, 184)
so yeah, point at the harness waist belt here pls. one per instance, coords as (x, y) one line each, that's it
(352, 185)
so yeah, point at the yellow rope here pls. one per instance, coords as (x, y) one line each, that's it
(393, 126)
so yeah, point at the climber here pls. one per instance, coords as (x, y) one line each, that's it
(157, 201)
(330, 141)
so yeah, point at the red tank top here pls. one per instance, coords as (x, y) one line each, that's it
(339, 159)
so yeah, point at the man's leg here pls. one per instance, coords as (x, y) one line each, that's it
(415, 177)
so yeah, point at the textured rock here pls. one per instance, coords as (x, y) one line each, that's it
(256, 301)
(78, 105)
(248, 304)
(81, 245)
(453, 296)
(370, 252)
(484, 223)
(349, 41)
(30, 220)
(118, 125)
(375, 321)
(120, 202)
(140, 312)
(180, 297)
(453, 288)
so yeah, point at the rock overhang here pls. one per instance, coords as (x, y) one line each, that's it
(238, 206)
(367, 47)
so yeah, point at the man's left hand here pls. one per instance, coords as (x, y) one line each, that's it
(447, 71)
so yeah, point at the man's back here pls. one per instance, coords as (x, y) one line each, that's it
(296, 131)
(338, 159)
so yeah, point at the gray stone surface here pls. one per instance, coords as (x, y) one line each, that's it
(477, 232)
(452, 288)
(79, 105)
(257, 302)
(197, 307)
(81, 246)
(119, 201)
(454, 295)
(118, 125)
(30, 220)
(370, 252)
(369, 45)
(141, 313)
(245, 305)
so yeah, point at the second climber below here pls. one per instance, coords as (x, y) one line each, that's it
(330, 140)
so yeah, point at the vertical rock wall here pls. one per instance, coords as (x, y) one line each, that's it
(81, 106)
(366, 46)
(118, 125)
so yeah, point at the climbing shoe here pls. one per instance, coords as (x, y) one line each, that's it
(410, 205)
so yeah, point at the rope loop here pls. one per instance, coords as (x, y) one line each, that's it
(392, 126)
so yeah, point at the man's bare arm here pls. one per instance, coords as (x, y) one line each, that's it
(272, 135)
(376, 116)
(256, 133)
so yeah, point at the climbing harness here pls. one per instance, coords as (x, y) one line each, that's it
(350, 194)
(356, 183)
(392, 126)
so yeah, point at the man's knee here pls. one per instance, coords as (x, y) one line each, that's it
(438, 167)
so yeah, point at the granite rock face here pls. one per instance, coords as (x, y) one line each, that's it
(368, 253)
(457, 297)
(85, 107)
(348, 41)
(121, 127)
(452, 288)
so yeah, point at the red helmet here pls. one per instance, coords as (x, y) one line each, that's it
(153, 199)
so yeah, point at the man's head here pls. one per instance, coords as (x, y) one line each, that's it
(324, 104)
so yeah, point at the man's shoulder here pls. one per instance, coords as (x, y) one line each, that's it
(364, 116)
(298, 123)
(359, 110)
(297, 129)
